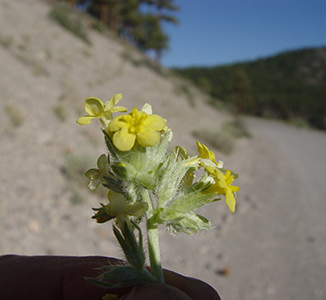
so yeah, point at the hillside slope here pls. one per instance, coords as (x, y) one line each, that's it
(46, 74)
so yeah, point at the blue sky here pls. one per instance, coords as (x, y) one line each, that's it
(214, 32)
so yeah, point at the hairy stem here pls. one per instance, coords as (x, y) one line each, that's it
(152, 240)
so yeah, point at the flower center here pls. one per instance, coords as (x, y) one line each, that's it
(136, 121)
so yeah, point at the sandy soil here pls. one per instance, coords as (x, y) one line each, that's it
(273, 247)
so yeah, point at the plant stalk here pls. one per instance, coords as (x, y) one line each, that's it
(154, 251)
(152, 239)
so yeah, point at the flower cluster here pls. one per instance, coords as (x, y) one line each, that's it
(145, 180)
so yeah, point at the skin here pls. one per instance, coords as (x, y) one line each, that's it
(62, 278)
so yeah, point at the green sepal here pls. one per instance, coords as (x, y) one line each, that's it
(101, 216)
(113, 184)
(202, 184)
(168, 182)
(128, 172)
(132, 249)
(109, 144)
(180, 153)
(121, 171)
(157, 153)
(115, 152)
(119, 276)
(235, 174)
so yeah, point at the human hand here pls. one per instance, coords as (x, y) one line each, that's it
(63, 278)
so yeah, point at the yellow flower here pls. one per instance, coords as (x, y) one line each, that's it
(206, 158)
(119, 208)
(205, 153)
(223, 186)
(95, 108)
(96, 175)
(137, 126)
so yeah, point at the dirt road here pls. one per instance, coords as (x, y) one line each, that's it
(276, 245)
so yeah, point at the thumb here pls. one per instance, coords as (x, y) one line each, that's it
(158, 291)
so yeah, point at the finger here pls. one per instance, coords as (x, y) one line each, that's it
(155, 291)
(194, 288)
(52, 277)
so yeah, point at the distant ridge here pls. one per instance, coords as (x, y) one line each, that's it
(290, 85)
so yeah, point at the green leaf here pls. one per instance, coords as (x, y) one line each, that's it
(191, 223)
(191, 201)
(119, 276)
(132, 249)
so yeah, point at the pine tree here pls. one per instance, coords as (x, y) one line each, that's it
(107, 11)
(149, 34)
(128, 19)
(159, 40)
(240, 90)
(166, 5)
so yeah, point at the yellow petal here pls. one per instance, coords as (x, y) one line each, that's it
(154, 121)
(137, 209)
(102, 162)
(85, 120)
(118, 109)
(106, 115)
(147, 108)
(94, 106)
(123, 140)
(148, 137)
(92, 174)
(119, 122)
(230, 201)
(117, 203)
(205, 152)
(114, 100)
